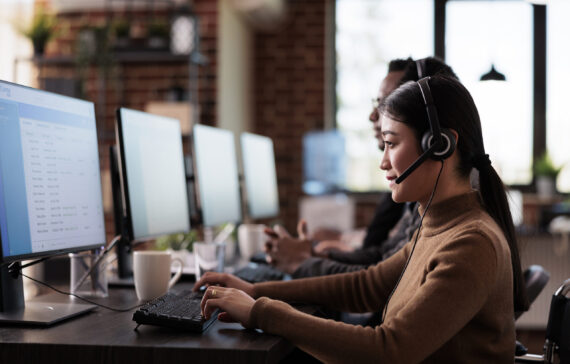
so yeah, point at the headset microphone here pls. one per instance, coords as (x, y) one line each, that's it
(417, 163)
(436, 143)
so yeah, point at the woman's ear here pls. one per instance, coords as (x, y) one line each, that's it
(455, 134)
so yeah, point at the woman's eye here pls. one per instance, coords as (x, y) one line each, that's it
(388, 143)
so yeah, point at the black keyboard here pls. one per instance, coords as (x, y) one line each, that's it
(176, 310)
(256, 273)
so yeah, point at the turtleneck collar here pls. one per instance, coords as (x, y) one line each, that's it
(444, 213)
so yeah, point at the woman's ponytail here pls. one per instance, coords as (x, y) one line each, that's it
(496, 203)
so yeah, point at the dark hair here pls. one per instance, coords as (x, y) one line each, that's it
(433, 66)
(456, 110)
(400, 64)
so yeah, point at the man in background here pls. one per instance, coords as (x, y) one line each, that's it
(392, 224)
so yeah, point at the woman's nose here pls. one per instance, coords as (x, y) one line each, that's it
(385, 161)
(374, 116)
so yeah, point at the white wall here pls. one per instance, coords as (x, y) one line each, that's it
(13, 44)
(234, 90)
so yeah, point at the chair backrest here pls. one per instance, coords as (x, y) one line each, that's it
(558, 328)
(535, 278)
(557, 344)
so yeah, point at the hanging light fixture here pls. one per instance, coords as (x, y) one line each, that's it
(184, 31)
(494, 22)
(493, 75)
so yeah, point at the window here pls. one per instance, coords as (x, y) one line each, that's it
(558, 79)
(16, 48)
(480, 34)
(370, 33)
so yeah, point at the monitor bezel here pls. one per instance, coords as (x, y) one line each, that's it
(56, 252)
(47, 253)
(124, 183)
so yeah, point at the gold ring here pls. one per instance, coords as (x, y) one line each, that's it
(214, 293)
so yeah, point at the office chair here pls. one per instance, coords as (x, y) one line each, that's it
(557, 343)
(535, 278)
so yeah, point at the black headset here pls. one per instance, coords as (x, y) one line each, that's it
(437, 143)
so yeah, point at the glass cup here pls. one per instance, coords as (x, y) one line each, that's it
(251, 238)
(208, 257)
(83, 282)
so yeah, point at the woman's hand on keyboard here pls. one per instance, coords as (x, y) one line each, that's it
(234, 304)
(224, 280)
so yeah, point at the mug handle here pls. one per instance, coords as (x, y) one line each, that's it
(178, 274)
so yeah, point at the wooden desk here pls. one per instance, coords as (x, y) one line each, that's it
(104, 336)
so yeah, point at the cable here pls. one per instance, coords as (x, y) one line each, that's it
(34, 262)
(89, 271)
(413, 246)
(81, 298)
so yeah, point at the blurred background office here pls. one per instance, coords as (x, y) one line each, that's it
(302, 72)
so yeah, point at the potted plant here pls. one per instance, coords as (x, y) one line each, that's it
(40, 31)
(545, 173)
(158, 33)
(121, 29)
(177, 241)
(179, 246)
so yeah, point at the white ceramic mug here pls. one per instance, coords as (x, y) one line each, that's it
(251, 238)
(152, 270)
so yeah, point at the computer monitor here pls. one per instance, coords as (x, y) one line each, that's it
(217, 175)
(50, 191)
(260, 176)
(324, 162)
(152, 177)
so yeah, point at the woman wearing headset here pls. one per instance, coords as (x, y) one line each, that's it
(450, 294)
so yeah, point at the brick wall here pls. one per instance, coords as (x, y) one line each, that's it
(289, 86)
(139, 74)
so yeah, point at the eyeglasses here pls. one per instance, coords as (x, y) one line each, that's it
(376, 102)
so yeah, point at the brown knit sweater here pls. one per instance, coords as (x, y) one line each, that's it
(454, 303)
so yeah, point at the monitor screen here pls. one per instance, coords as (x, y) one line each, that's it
(324, 162)
(260, 176)
(217, 172)
(153, 177)
(50, 184)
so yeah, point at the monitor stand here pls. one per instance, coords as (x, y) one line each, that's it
(116, 281)
(44, 313)
(14, 310)
(124, 275)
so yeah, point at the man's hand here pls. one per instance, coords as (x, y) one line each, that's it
(323, 248)
(326, 234)
(286, 252)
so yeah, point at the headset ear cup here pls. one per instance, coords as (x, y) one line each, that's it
(449, 139)
(448, 147)
(426, 141)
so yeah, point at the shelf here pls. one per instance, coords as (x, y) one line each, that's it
(126, 56)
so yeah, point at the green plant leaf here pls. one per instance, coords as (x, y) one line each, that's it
(544, 166)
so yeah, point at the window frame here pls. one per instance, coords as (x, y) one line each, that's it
(539, 75)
